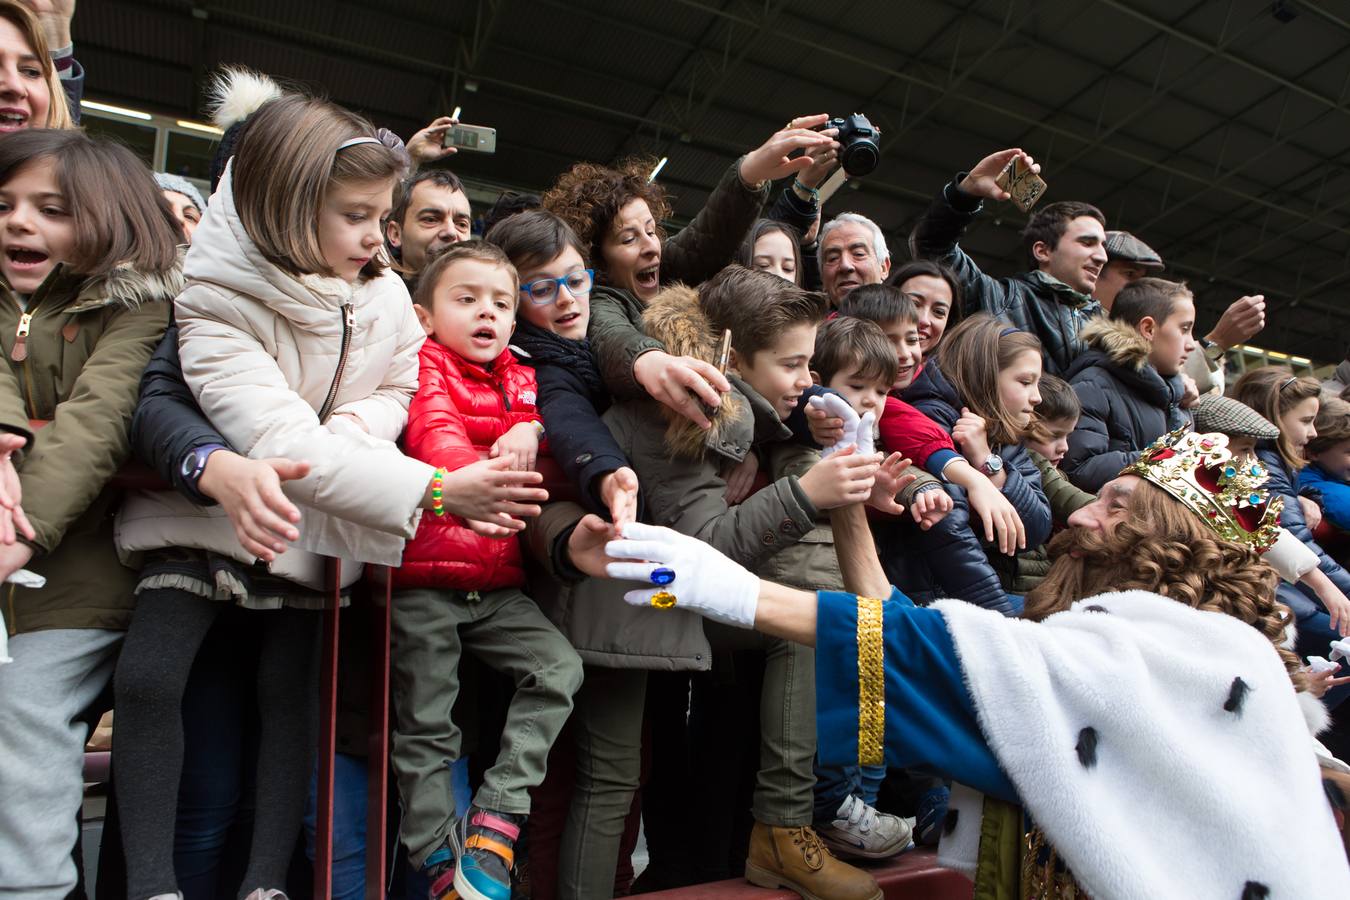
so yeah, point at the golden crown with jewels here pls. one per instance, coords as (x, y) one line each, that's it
(1227, 494)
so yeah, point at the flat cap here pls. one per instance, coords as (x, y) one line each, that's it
(1227, 416)
(1126, 247)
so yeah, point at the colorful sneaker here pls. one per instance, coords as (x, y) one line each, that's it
(860, 832)
(439, 870)
(932, 814)
(487, 854)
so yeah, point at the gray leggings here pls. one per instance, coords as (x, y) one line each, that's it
(167, 630)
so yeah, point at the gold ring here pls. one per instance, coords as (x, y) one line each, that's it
(663, 600)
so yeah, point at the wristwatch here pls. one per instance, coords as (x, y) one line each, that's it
(194, 462)
(993, 464)
(1212, 351)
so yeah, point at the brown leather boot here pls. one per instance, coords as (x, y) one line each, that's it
(794, 858)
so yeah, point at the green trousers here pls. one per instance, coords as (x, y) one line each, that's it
(432, 629)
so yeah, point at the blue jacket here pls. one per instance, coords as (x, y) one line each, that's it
(1332, 495)
(1281, 483)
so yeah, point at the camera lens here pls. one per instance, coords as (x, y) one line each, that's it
(860, 158)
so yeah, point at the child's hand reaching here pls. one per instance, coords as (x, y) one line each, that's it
(1319, 679)
(618, 491)
(930, 507)
(892, 477)
(841, 479)
(740, 478)
(520, 445)
(998, 516)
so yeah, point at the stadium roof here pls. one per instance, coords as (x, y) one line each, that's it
(1215, 131)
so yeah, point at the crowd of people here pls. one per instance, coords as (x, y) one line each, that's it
(321, 359)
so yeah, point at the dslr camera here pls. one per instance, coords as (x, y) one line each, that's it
(858, 152)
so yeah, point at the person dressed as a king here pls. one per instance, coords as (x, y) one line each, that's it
(1142, 732)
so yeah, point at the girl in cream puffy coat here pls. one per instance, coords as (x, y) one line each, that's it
(296, 342)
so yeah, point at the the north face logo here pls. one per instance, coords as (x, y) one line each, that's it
(528, 397)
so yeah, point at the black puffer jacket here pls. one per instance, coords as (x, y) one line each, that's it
(933, 395)
(572, 397)
(1033, 301)
(1126, 404)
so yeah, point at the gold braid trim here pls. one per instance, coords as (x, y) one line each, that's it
(871, 683)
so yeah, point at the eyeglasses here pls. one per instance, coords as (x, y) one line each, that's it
(544, 291)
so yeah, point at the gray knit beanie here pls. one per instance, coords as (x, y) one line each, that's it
(181, 185)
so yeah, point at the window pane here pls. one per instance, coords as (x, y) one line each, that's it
(189, 155)
(140, 138)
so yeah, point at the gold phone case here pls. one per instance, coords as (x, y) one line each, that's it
(1025, 186)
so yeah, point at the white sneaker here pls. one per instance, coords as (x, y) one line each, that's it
(860, 832)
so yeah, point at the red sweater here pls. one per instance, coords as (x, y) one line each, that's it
(912, 434)
(459, 411)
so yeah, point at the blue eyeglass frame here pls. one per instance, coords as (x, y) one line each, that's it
(558, 284)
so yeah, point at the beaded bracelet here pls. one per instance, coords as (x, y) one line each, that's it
(437, 483)
(797, 185)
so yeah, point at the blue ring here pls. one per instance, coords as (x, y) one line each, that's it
(662, 576)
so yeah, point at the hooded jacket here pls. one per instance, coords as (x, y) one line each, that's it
(1033, 301)
(273, 360)
(1126, 404)
(88, 341)
(681, 464)
(460, 410)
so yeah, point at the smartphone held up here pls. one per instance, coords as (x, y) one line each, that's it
(1024, 185)
(479, 138)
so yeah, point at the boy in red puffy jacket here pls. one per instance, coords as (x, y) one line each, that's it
(459, 588)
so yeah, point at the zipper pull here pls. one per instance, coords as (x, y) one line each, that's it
(20, 351)
(349, 315)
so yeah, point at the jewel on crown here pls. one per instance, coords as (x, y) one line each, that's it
(1225, 492)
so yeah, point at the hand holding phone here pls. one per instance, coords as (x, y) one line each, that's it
(1023, 185)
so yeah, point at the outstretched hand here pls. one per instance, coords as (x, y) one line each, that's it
(426, 145)
(770, 161)
(892, 477)
(980, 180)
(249, 490)
(703, 580)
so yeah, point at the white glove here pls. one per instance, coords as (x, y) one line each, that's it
(1318, 665)
(857, 431)
(706, 582)
(1340, 650)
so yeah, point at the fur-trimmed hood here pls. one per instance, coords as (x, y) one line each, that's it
(123, 285)
(675, 318)
(131, 287)
(1118, 341)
